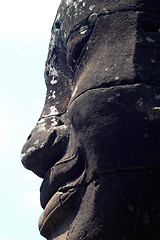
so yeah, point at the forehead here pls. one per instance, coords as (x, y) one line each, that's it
(71, 12)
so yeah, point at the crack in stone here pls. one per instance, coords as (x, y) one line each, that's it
(111, 85)
(96, 176)
(132, 9)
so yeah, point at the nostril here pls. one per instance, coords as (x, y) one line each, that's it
(57, 25)
(51, 139)
(29, 137)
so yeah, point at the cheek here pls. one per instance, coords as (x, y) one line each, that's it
(118, 128)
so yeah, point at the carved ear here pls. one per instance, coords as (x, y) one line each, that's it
(77, 40)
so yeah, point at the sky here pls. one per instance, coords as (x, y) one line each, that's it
(25, 27)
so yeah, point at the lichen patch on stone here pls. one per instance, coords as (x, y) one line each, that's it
(53, 110)
(69, 2)
(75, 5)
(36, 142)
(41, 127)
(53, 81)
(53, 122)
(29, 151)
(91, 7)
(53, 96)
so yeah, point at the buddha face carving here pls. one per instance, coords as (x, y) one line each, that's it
(96, 144)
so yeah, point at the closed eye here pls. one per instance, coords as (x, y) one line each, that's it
(77, 41)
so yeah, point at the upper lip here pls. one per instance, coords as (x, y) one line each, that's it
(62, 176)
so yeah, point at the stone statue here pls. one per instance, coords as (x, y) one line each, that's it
(97, 142)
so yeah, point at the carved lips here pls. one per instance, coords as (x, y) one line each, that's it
(60, 187)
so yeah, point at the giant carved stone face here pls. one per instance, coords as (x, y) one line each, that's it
(97, 142)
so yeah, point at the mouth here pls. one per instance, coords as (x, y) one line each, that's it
(59, 189)
(57, 208)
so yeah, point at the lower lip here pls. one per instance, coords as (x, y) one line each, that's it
(54, 213)
(58, 206)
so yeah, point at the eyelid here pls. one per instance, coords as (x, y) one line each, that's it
(86, 23)
(77, 40)
(76, 45)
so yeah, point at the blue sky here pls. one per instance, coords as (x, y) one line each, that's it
(24, 38)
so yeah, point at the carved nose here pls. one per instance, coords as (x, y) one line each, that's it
(46, 145)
